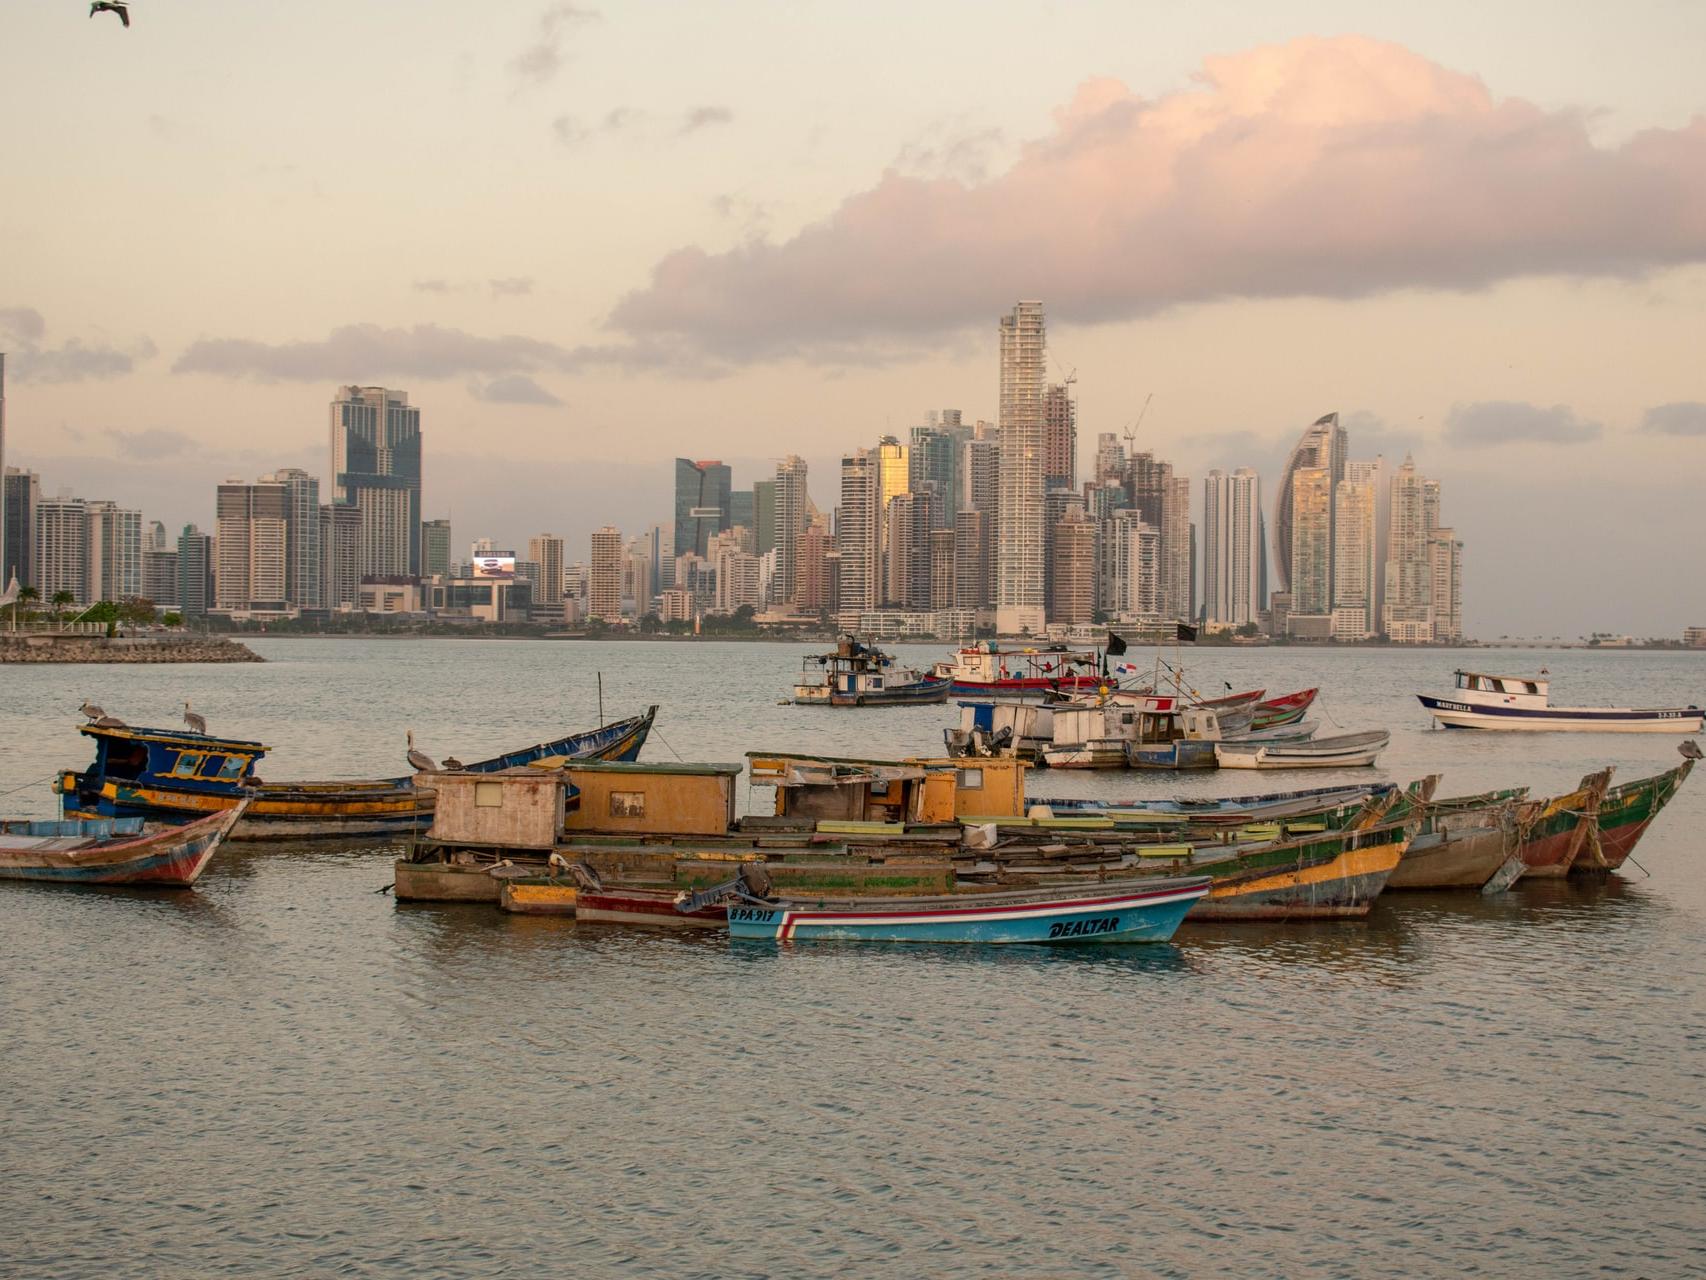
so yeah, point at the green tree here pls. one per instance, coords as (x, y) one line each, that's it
(62, 600)
(173, 620)
(136, 610)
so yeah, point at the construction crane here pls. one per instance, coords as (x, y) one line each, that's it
(1131, 431)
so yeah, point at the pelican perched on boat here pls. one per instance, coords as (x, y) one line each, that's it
(196, 723)
(420, 760)
(91, 710)
(109, 722)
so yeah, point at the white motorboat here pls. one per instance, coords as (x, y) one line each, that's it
(1523, 702)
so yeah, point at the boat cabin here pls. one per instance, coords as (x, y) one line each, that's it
(535, 806)
(987, 663)
(174, 758)
(919, 792)
(1504, 691)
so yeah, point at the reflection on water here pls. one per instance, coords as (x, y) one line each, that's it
(287, 1072)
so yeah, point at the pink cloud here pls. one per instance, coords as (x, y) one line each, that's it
(1330, 167)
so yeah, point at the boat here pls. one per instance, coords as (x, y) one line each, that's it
(1031, 672)
(1014, 727)
(862, 675)
(1336, 875)
(1231, 811)
(1286, 709)
(1203, 732)
(112, 851)
(1146, 912)
(1625, 812)
(1553, 831)
(1523, 703)
(176, 775)
(1350, 750)
(1462, 842)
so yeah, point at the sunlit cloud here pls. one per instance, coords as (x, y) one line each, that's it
(1338, 167)
(1682, 418)
(1494, 422)
(30, 358)
(544, 57)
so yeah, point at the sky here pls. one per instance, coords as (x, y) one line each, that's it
(589, 238)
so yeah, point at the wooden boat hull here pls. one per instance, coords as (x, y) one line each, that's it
(1149, 914)
(1231, 811)
(1452, 714)
(1462, 859)
(1182, 753)
(1623, 816)
(1318, 754)
(1287, 709)
(655, 907)
(1553, 831)
(930, 691)
(171, 857)
(1090, 755)
(1342, 885)
(1026, 688)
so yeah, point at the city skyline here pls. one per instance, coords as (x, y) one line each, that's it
(295, 259)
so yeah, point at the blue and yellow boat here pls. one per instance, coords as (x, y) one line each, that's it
(175, 775)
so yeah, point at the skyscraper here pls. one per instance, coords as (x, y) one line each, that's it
(376, 468)
(858, 535)
(302, 533)
(252, 547)
(1374, 473)
(1232, 512)
(935, 457)
(435, 548)
(1072, 596)
(1130, 569)
(789, 500)
(1019, 603)
(7, 557)
(1060, 437)
(115, 552)
(60, 550)
(22, 490)
(1354, 567)
(1322, 446)
(1445, 564)
(1310, 516)
(195, 572)
(546, 550)
(340, 573)
(604, 575)
(764, 514)
(701, 504)
(1409, 573)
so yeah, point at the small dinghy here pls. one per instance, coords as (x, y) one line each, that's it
(1350, 750)
(112, 850)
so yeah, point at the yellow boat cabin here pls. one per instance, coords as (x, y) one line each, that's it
(922, 792)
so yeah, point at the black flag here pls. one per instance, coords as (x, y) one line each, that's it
(1116, 646)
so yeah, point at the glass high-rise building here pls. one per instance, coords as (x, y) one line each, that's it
(1323, 446)
(1232, 546)
(376, 468)
(195, 572)
(701, 504)
(21, 491)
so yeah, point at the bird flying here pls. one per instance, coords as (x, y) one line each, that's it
(120, 7)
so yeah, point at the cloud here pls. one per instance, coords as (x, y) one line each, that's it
(704, 117)
(511, 286)
(1492, 422)
(540, 61)
(1337, 167)
(152, 442)
(1683, 418)
(512, 388)
(22, 331)
(364, 352)
(431, 286)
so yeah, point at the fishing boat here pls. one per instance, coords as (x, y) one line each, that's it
(1287, 709)
(1147, 912)
(862, 675)
(1554, 831)
(1462, 842)
(1204, 730)
(174, 775)
(1014, 727)
(1350, 750)
(1524, 703)
(1032, 672)
(1230, 811)
(1336, 875)
(1624, 813)
(112, 851)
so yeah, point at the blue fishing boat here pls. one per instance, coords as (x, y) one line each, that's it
(862, 675)
(179, 775)
(1050, 917)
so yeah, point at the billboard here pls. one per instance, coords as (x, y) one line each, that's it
(498, 565)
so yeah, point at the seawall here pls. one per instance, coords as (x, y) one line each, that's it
(24, 647)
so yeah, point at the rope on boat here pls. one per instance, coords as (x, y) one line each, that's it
(665, 742)
(50, 777)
